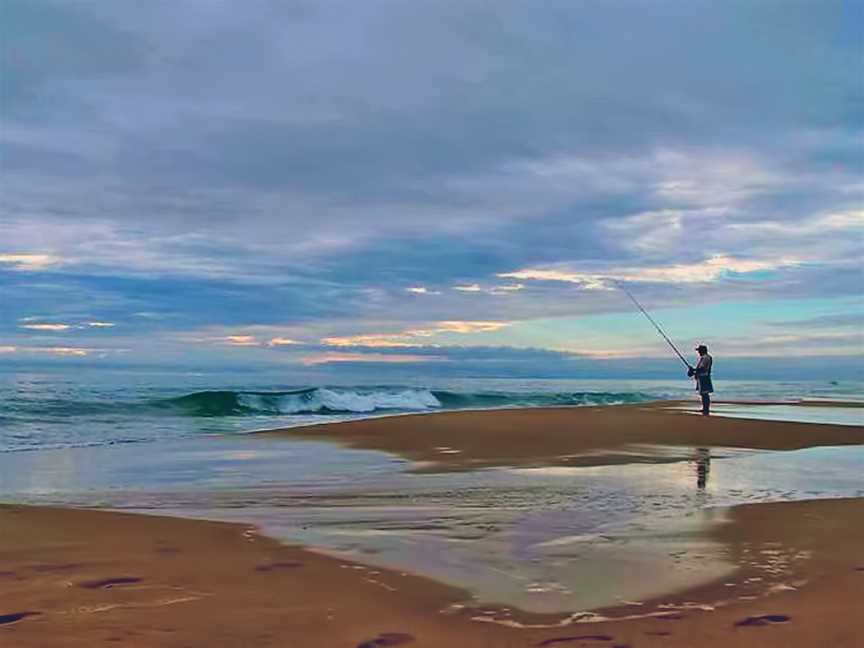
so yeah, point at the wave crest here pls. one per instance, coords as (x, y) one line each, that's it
(326, 400)
(318, 400)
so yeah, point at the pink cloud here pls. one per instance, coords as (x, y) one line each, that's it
(335, 356)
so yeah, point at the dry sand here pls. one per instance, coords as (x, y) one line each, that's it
(451, 441)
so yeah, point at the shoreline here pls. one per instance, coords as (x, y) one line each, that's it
(803, 402)
(462, 440)
(101, 576)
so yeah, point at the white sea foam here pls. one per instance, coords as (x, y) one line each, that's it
(321, 399)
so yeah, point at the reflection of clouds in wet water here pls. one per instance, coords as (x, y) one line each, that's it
(545, 539)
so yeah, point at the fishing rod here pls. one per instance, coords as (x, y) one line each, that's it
(656, 325)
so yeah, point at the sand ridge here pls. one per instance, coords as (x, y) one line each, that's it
(566, 436)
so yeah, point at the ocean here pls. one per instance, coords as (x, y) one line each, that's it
(61, 409)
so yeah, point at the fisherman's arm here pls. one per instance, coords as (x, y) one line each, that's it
(700, 369)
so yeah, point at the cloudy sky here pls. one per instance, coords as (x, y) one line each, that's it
(431, 185)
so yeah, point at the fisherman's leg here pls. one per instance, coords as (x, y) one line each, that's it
(706, 403)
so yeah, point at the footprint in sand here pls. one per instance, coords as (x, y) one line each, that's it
(387, 639)
(763, 620)
(561, 640)
(107, 583)
(15, 616)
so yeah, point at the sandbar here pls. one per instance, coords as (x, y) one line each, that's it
(566, 436)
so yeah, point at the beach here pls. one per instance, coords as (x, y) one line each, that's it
(84, 578)
(786, 571)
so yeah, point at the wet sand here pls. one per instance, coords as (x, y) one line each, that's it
(88, 578)
(575, 436)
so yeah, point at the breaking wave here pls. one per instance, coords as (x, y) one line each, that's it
(322, 400)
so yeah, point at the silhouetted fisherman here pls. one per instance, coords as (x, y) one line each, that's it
(702, 374)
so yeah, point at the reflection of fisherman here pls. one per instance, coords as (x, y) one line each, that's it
(703, 467)
(702, 373)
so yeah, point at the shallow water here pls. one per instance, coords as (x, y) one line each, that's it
(540, 539)
(834, 415)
